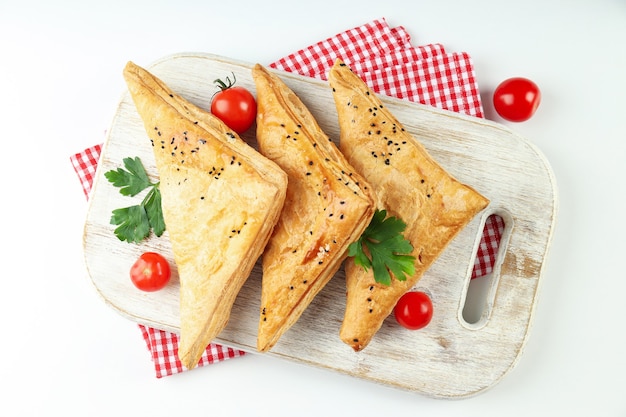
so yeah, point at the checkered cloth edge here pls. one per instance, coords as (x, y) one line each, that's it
(359, 43)
(390, 65)
(85, 164)
(164, 348)
(445, 81)
(488, 247)
(387, 61)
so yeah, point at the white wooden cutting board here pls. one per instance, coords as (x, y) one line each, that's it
(450, 358)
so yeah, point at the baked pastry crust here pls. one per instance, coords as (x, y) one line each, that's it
(220, 200)
(328, 206)
(408, 183)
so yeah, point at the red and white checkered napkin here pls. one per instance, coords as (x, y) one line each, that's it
(384, 57)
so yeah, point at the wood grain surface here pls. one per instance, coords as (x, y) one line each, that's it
(451, 358)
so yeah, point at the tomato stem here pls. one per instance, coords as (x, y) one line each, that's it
(223, 86)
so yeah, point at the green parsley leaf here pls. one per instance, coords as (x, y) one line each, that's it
(135, 222)
(387, 248)
(133, 180)
(152, 203)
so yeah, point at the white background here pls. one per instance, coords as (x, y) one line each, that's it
(65, 352)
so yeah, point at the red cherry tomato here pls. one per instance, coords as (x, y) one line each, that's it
(235, 106)
(414, 310)
(516, 99)
(151, 272)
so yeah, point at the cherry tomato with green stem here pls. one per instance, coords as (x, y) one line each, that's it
(234, 105)
(151, 272)
(414, 310)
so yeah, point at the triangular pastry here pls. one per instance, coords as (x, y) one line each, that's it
(220, 199)
(408, 183)
(328, 206)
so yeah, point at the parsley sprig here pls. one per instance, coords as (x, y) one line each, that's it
(135, 222)
(388, 249)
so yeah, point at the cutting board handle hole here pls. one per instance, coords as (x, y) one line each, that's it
(482, 282)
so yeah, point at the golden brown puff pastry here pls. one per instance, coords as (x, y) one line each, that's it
(328, 206)
(408, 183)
(220, 199)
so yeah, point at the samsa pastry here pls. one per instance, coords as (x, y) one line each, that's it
(220, 200)
(328, 206)
(408, 183)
